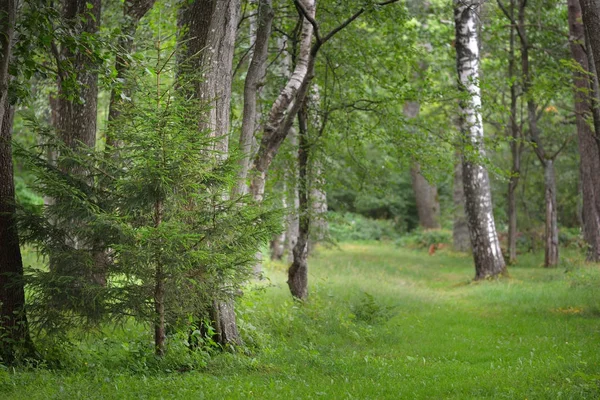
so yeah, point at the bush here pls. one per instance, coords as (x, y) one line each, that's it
(350, 227)
(420, 239)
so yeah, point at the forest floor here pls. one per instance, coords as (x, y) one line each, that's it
(382, 322)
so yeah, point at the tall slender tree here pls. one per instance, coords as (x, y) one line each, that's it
(484, 239)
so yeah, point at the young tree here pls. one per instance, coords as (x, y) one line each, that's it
(209, 37)
(484, 239)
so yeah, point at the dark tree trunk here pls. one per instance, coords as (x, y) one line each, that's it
(14, 329)
(133, 12)
(551, 253)
(482, 229)
(460, 228)
(208, 30)
(298, 271)
(590, 10)
(588, 145)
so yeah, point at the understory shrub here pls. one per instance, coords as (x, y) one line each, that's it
(420, 239)
(351, 227)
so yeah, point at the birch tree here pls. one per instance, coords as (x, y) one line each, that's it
(482, 229)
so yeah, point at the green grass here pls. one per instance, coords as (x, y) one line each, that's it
(382, 323)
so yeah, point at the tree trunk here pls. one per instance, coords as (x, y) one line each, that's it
(318, 204)
(14, 329)
(590, 10)
(551, 253)
(76, 119)
(254, 80)
(133, 12)
(292, 218)
(588, 145)
(426, 197)
(298, 271)
(277, 125)
(516, 149)
(209, 29)
(460, 228)
(484, 239)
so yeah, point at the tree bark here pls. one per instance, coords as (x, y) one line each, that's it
(254, 80)
(516, 149)
(298, 271)
(426, 196)
(460, 228)
(14, 328)
(551, 252)
(590, 10)
(275, 129)
(588, 145)
(208, 29)
(484, 239)
(133, 11)
(76, 119)
(292, 218)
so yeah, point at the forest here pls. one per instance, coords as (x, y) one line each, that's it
(372, 199)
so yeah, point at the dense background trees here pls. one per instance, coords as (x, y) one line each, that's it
(202, 131)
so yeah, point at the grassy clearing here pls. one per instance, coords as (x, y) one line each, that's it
(382, 322)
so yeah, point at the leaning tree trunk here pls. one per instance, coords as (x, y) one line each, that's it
(209, 29)
(484, 239)
(298, 271)
(551, 253)
(276, 127)
(588, 146)
(253, 82)
(460, 227)
(14, 329)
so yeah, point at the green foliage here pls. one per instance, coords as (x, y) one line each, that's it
(422, 239)
(370, 311)
(351, 227)
(146, 223)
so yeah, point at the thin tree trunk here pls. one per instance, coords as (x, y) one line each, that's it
(588, 145)
(551, 252)
(318, 202)
(292, 218)
(209, 29)
(460, 228)
(159, 293)
(298, 271)
(484, 239)
(275, 129)
(515, 150)
(254, 80)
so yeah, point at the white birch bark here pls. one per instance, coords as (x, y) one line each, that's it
(484, 239)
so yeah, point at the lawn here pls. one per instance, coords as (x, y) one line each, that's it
(382, 322)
